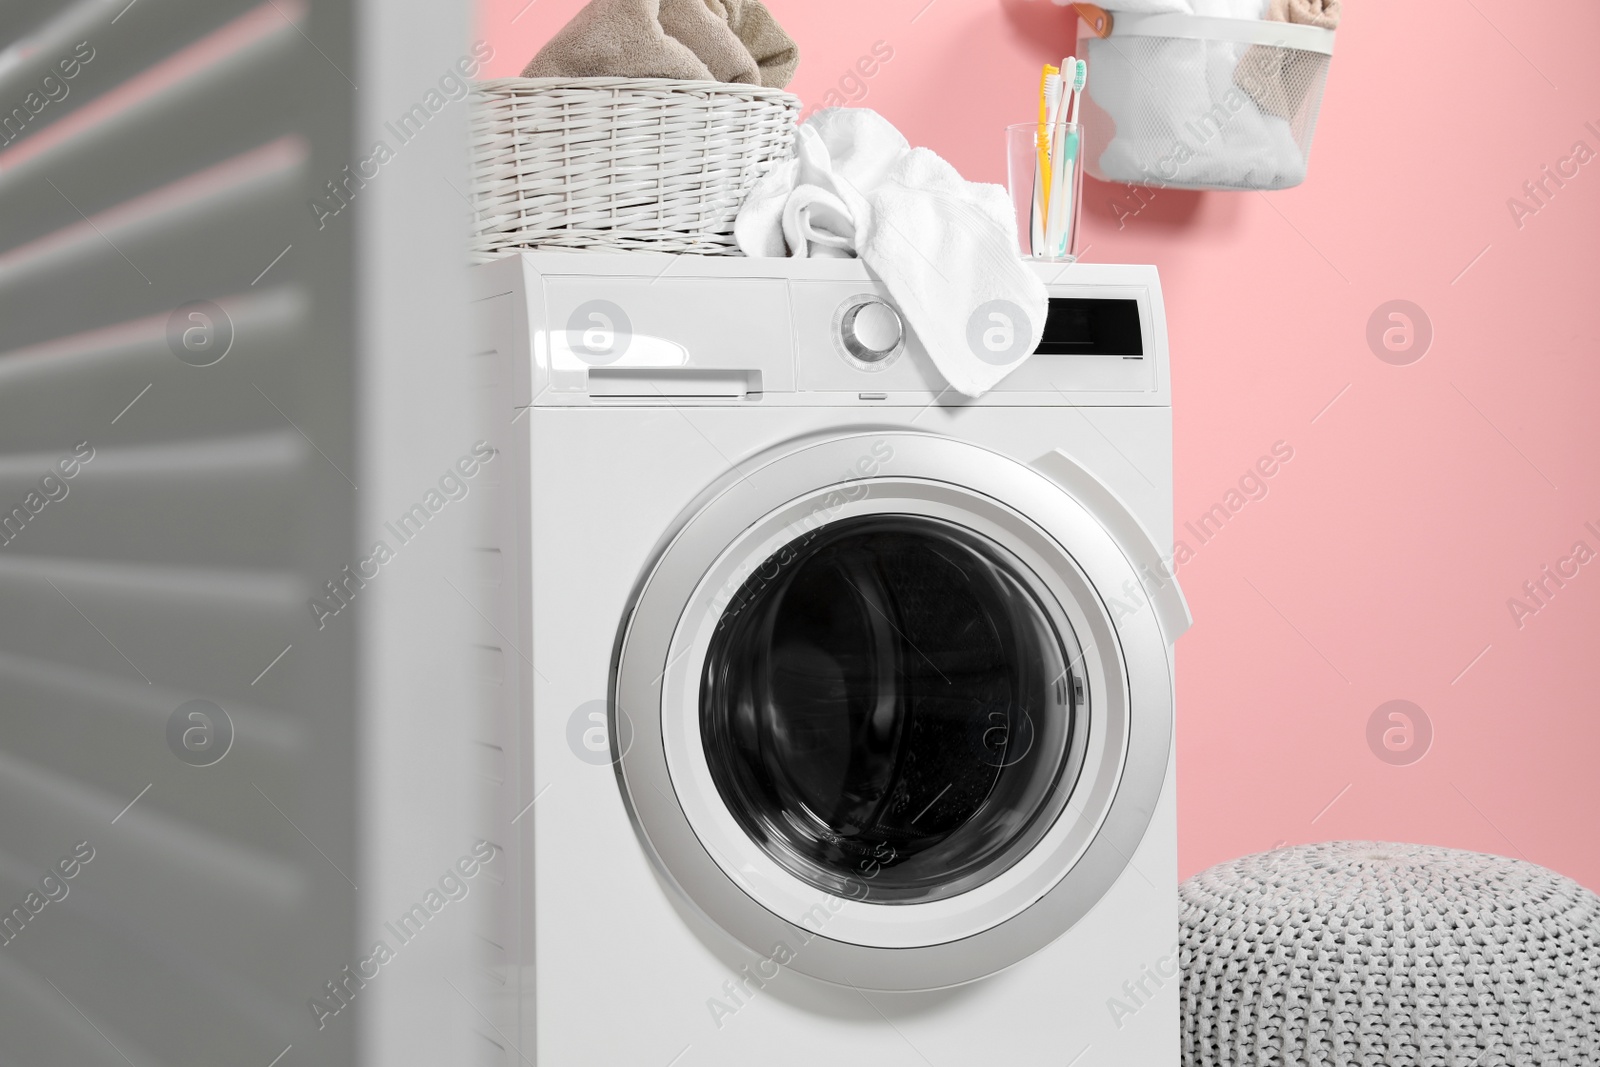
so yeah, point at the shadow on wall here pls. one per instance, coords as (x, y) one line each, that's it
(1118, 205)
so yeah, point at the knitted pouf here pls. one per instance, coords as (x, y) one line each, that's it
(1380, 955)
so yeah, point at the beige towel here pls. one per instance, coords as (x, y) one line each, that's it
(1278, 79)
(775, 53)
(1322, 13)
(697, 40)
(708, 35)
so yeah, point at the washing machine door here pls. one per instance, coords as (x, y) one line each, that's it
(900, 706)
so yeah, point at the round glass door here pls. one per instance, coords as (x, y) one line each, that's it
(892, 718)
(888, 709)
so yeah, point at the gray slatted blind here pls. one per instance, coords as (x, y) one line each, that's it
(158, 160)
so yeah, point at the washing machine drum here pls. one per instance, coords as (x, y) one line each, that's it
(914, 720)
(886, 708)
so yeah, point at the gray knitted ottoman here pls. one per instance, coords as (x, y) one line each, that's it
(1355, 954)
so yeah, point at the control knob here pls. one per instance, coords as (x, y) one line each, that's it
(872, 331)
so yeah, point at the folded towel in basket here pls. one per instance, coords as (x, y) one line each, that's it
(694, 40)
(775, 52)
(1278, 79)
(1231, 9)
(1148, 7)
(945, 248)
(1321, 13)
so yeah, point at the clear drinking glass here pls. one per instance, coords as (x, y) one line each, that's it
(1024, 177)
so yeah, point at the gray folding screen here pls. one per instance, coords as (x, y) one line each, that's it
(234, 362)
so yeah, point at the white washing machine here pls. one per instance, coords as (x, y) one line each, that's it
(837, 709)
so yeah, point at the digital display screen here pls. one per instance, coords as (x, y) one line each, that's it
(1087, 327)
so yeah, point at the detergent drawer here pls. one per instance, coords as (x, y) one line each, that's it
(672, 336)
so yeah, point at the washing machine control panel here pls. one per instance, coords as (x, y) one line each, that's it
(1101, 336)
(649, 329)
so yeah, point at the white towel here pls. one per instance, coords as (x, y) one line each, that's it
(1150, 7)
(945, 248)
(1141, 7)
(1231, 9)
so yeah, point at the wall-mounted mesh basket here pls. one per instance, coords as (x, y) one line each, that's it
(1195, 102)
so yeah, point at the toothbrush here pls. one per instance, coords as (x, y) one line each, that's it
(1058, 183)
(1074, 142)
(1080, 78)
(1063, 158)
(1049, 104)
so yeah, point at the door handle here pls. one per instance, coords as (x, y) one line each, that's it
(1160, 585)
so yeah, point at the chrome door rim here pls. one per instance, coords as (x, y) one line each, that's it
(860, 921)
(697, 843)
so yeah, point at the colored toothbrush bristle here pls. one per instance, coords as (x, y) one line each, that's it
(1080, 76)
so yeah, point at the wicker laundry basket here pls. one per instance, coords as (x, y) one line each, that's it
(620, 163)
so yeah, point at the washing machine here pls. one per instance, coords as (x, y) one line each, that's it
(835, 710)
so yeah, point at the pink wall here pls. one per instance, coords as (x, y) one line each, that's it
(1380, 564)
